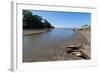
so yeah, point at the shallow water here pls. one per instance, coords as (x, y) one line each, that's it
(34, 43)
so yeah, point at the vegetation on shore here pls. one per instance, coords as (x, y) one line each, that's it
(85, 27)
(31, 21)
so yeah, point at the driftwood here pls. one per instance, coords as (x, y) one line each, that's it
(84, 55)
(75, 49)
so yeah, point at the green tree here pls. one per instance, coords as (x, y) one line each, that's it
(34, 21)
(47, 24)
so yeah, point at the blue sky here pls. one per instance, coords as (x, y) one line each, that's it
(65, 19)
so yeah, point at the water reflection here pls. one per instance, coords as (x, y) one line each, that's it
(35, 42)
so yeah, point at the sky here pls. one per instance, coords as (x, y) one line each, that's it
(65, 19)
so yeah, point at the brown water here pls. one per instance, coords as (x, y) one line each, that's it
(36, 43)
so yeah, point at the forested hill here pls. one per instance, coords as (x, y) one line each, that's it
(34, 21)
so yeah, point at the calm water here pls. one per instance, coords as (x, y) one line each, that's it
(34, 43)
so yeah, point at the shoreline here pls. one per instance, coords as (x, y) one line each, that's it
(59, 52)
(29, 32)
(37, 31)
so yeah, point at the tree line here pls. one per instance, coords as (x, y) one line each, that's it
(34, 21)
